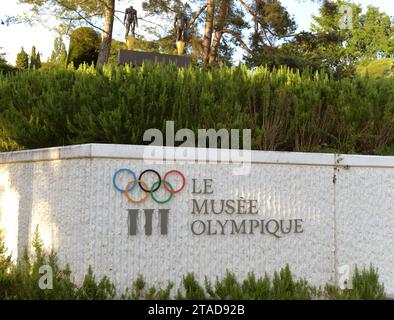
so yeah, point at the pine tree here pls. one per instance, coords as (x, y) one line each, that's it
(33, 58)
(22, 60)
(59, 53)
(38, 60)
(2, 56)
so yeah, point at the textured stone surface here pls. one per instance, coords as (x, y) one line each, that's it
(68, 192)
(365, 219)
(138, 58)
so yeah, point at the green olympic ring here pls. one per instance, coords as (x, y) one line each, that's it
(152, 192)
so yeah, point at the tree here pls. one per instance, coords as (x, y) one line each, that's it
(59, 53)
(84, 46)
(33, 58)
(272, 23)
(372, 36)
(85, 12)
(22, 60)
(224, 23)
(109, 13)
(221, 20)
(332, 44)
(2, 56)
(38, 60)
(369, 37)
(5, 68)
(206, 44)
(165, 34)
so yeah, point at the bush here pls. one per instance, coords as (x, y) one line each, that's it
(378, 68)
(286, 110)
(6, 68)
(365, 286)
(91, 290)
(141, 292)
(21, 281)
(84, 46)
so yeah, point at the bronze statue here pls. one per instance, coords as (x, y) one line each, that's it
(131, 21)
(180, 25)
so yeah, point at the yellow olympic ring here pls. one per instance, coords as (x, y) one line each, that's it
(128, 195)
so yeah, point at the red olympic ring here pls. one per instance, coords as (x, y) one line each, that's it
(183, 181)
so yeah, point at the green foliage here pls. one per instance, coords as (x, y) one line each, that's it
(115, 47)
(2, 57)
(6, 69)
(365, 286)
(38, 61)
(22, 60)
(285, 288)
(383, 68)
(59, 53)
(91, 290)
(21, 281)
(370, 35)
(141, 292)
(6, 267)
(84, 46)
(331, 47)
(281, 287)
(33, 58)
(192, 289)
(286, 110)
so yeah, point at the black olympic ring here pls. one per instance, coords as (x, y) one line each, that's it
(158, 184)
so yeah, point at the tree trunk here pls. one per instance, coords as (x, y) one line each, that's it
(223, 13)
(206, 45)
(109, 13)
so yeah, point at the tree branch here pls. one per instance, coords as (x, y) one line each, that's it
(191, 24)
(80, 15)
(238, 37)
(258, 20)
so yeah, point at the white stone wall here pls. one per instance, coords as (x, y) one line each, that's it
(346, 204)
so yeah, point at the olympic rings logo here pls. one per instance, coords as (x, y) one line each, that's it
(132, 184)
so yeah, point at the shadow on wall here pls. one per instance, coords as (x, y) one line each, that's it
(9, 213)
(23, 207)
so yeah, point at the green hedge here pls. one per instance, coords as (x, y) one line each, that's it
(286, 110)
(21, 281)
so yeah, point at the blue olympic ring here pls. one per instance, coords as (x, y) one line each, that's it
(128, 171)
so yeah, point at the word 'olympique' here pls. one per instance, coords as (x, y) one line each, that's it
(274, 227)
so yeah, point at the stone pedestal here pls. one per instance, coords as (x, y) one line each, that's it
(180, 45)
(137, 58)
(130, 40)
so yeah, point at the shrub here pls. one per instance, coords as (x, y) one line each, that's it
(84, 46)
(22, 60)
(21, 281)
(286, 110)
(91, 290)
(365, 286)
(192, 289)
(140, 291)
(6, 69)
(378, 68)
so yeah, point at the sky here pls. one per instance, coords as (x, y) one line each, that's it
(13, 37)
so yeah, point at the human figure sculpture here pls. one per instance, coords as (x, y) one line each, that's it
(131, 21)
(180, 25)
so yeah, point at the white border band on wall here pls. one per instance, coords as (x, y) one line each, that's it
(117, 151)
